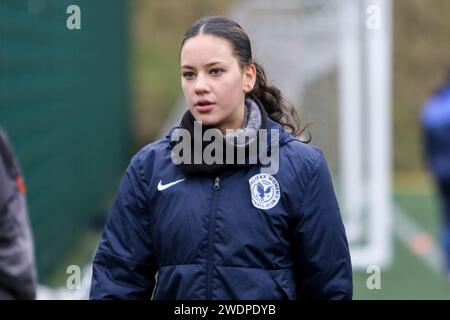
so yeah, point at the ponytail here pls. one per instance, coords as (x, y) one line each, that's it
(276, 106)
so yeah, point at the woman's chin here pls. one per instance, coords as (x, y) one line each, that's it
(205, 119)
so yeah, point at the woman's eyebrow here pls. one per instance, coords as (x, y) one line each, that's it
(207, 65)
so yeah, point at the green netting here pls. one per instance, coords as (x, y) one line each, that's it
(63, 101)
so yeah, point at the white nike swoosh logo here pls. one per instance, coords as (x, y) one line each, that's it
(162, 187)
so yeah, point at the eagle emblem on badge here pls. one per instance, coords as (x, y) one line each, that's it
(265, 191)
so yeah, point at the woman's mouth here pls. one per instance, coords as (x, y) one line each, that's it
(203, 105)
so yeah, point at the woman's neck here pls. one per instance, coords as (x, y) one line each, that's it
(236, 121)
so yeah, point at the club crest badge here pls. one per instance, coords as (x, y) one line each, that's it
(265, 191)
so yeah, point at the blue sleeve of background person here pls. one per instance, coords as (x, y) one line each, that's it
(437, 149)
(436, 133)
(124, 266)
(321, 255)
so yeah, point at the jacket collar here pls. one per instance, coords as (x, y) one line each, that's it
(284, 136)
(203, 168)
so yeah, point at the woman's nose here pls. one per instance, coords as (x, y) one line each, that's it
(201, 85)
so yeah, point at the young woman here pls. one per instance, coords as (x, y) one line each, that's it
(225, 222)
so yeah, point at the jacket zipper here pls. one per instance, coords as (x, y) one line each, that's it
(211, 239)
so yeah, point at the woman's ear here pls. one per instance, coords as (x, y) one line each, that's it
(249, 77)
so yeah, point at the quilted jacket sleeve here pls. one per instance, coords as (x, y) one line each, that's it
(124, 266)
(321, 254)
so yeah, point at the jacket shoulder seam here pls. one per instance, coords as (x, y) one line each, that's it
(316, 163)
(100, 250)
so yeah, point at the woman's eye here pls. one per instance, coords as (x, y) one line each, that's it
(216, 72)
(188, 75)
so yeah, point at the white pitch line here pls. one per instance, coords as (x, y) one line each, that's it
(406, 229)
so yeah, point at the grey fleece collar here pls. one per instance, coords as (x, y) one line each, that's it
(252, 122)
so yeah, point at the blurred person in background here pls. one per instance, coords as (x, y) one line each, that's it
(17, 268)
(436, 132)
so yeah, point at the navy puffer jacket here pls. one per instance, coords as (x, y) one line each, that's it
(240, 235)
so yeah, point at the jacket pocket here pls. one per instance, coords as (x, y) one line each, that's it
(284, 278)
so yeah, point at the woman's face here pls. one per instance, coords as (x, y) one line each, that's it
(213, 82)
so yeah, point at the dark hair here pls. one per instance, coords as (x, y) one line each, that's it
(276, 106)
